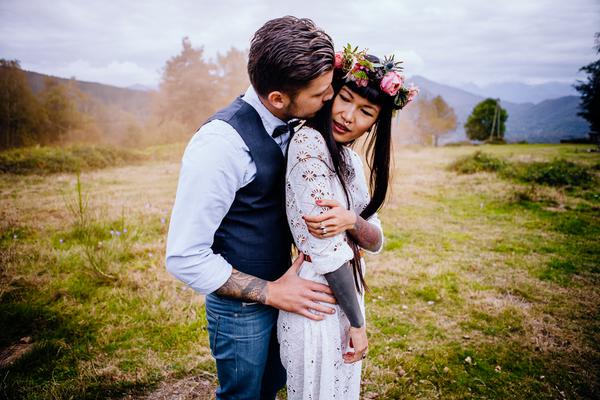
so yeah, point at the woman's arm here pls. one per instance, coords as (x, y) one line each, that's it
(309, 178)
(341, 282)
(365, 234)
(338, 219)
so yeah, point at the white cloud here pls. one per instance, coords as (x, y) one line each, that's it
(463, 40)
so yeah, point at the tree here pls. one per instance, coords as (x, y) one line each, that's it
(61, 111)
(487, 121)
(188, 88)
(436, 118)
(590, 93)
(21, 116)
(233, 74)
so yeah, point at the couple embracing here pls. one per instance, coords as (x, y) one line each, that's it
(252, 183)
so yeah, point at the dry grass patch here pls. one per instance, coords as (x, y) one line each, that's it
(485, 286)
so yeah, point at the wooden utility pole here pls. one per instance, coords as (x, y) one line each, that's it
(496, 122)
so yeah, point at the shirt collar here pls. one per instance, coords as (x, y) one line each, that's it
(270, 122)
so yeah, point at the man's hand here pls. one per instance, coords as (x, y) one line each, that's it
(335, 221)
(294, 294)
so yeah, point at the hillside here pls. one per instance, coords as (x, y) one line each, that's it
(487, 288)
(546, 122)
(518, 92)
(137, 102)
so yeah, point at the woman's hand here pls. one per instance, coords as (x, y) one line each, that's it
(358, 340)
(332, 222)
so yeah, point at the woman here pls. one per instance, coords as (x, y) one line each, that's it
(332, 217)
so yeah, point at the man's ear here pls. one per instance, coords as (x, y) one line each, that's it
(278, 100)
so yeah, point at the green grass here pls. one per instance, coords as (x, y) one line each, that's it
(477, 162)
(48, 160)
(557, 172)
(487, 287)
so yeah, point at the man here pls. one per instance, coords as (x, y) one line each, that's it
(228, 236)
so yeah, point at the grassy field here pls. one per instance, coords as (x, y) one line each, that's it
(487, 288)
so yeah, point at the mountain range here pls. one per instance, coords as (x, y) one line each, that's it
(546, 121)
(518, 92)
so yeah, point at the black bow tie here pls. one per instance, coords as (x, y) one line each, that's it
(289, 127)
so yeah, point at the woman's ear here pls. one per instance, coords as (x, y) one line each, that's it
(278, 100)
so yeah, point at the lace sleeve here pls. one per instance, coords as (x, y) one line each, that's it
(310, 178)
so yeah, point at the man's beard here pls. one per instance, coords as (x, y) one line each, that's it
(293, 111)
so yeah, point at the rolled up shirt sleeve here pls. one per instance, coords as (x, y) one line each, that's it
(215, 165)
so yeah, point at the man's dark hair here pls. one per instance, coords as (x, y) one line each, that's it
(287, 53)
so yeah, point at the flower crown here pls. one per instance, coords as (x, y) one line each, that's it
(357, 68)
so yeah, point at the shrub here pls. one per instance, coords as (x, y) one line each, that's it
(477, 162)
(48, 160)
(555, 173)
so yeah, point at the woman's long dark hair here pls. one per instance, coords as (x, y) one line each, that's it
(378, 152)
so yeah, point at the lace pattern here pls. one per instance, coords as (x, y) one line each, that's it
(310, 350)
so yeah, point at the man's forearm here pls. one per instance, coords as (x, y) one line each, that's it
(341, 282)
(365, 234)
(244, 287)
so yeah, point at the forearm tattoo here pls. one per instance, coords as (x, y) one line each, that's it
(341, 282)
(366, 235)
(244, 287)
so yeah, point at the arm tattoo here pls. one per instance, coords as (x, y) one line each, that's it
(366, 235)
(244, 287)
(341, 282)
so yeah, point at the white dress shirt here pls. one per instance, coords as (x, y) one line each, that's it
(215, 165)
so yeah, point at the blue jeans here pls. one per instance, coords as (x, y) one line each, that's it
(243, 341)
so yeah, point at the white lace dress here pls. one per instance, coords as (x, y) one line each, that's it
(311, 351)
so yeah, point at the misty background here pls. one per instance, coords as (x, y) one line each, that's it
(123, 74)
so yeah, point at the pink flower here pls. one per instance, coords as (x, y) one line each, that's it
(391, 83)
(339, 59)
(357, 67)
(362, 82)
(412, 92)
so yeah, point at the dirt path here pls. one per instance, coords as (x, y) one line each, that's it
(190, 388)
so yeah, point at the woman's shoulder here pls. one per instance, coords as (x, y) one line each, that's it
(354, 157)
(308, 143)
(308, 136)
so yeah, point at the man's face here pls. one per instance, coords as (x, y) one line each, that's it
(311, 99)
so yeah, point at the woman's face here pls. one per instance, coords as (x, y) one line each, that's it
(353, 115)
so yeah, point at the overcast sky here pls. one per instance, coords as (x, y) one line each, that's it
(452, 42)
